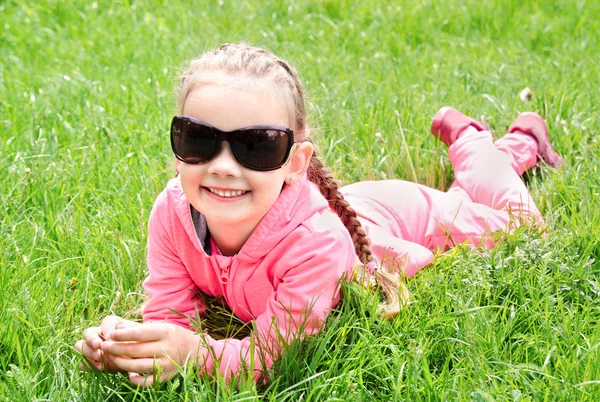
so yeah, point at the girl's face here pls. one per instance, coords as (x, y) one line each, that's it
(225, 192)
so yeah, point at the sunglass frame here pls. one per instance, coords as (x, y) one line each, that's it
(229, 137)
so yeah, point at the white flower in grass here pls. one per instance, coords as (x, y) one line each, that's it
(526, 94)
(379, 136)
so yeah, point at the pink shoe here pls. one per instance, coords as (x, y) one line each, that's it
(449, 122)
(532, 124)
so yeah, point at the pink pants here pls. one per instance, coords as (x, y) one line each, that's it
(405, 219)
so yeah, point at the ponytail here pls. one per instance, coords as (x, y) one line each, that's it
(395, 291)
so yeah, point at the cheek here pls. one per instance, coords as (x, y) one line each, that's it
(270, 186)
(189, 177)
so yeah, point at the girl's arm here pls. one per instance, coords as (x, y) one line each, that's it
(155, 350)
(306, 287)
(169, 286)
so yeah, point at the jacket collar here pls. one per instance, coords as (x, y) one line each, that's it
(294, 205)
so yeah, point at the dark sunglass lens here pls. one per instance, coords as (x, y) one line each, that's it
(192, 142)
(261, 149)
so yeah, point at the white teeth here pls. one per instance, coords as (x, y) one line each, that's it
(227, 193)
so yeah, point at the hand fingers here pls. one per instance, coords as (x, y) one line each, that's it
(141, 380)
(132, 349)
(87, 351)
(91, 336)
(141, 365)
(79, 347)
(139, 333)
(92, 357)
(111, 322)
(89, 365)
(127, 324)
(147, 380)
(95, 357)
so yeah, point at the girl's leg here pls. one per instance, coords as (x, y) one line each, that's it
(419, 214)
(532, 125)
(455, 219)
(521, 150)
(487, 195)
(527, 142)
(488, 175)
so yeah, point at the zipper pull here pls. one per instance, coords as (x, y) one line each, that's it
(225, 275)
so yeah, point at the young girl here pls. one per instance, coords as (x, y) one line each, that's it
(254, 217)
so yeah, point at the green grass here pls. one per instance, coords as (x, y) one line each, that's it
(86, 93)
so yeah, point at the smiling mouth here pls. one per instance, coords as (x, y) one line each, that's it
(226, 193)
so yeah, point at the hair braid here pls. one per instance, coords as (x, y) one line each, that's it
(396, 292)
(322, 177)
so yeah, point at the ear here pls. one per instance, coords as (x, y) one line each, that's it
(300, 158)
(177, 166)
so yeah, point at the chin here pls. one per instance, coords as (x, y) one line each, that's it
(228, 219)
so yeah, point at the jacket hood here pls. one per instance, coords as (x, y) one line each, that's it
(294, 206)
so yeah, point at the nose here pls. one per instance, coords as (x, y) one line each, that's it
(223, 164)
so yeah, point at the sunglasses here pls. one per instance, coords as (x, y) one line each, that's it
(257, 147)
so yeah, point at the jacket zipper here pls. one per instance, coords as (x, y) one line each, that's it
(225, 275)
(225, 281)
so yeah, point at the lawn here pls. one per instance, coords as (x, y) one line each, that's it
(86, 97)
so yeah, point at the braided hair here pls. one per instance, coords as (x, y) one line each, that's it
(395, 291)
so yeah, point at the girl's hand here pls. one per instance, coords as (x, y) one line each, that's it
(93, 337)
(153, 352)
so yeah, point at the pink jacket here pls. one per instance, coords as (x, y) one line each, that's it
(286, 277)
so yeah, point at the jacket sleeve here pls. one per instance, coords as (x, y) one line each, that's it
(169, 286)
(396, 253)
(306, 287)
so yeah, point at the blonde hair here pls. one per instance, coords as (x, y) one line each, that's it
(249, 65)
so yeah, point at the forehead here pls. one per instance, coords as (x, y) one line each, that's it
(229, 107)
